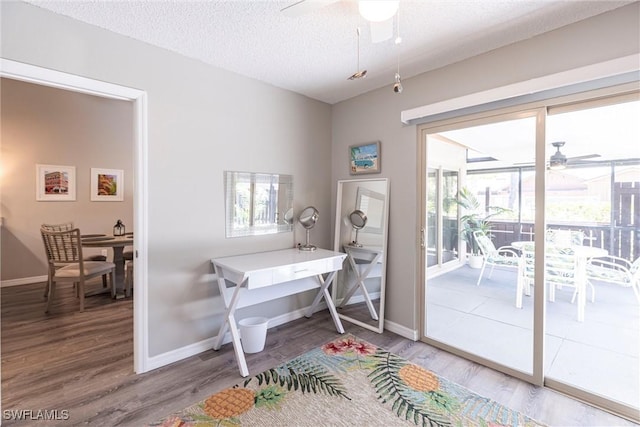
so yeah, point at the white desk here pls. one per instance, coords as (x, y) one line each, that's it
(371, 258)
(266, 276)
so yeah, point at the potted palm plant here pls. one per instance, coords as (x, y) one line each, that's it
(475, 219)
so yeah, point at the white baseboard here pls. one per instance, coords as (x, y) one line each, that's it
(178, 354)
(403, 331)
(23, 281)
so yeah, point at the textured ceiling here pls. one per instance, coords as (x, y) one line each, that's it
(315, 52)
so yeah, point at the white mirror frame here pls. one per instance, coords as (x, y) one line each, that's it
(371, 258)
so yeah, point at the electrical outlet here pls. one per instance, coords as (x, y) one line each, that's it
(103, 252)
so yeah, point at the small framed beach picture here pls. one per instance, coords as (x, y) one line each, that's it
(364, 158)
(55, 183)
(107, 185)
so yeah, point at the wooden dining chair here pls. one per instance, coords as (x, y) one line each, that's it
(66, 263)
(68, 226)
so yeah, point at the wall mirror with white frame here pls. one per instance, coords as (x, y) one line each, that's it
(257, 203)
(362, 218)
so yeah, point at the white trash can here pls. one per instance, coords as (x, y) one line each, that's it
(253, 333)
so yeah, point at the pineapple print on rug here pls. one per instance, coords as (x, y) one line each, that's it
(347, 382)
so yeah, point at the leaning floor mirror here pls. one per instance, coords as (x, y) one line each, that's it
(362, 216)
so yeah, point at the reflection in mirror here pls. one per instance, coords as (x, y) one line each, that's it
(358, 221)
(257, 203)
(308, 219)
(362, 214)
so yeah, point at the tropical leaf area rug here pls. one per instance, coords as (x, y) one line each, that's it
(347, 382)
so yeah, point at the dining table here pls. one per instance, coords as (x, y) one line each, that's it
(117, 243)
(583, 255)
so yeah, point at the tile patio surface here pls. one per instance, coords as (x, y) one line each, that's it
(601, 354)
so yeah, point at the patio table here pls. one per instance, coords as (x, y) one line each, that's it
(583, 254)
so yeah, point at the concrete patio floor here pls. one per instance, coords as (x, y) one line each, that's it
(600, 355)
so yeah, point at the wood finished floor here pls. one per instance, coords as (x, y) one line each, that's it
(83, 363)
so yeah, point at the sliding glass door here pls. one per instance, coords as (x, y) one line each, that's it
(480, 310)
(593, 331)
(555, 193)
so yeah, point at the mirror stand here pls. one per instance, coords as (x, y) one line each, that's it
(308, 219)
(362, 215)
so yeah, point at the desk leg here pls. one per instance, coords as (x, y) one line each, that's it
(324, 292)
(230, 322)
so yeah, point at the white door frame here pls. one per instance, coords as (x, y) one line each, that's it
(47, 77)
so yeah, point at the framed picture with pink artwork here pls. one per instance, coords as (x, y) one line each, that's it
(55, 183)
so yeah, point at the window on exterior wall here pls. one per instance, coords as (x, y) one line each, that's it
(497, 188)
(579, 195)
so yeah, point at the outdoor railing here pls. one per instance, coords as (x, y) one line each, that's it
(623, 242)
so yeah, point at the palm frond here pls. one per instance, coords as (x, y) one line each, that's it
(391, 388)
(301, 375)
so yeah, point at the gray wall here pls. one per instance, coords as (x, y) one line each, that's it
(376, 116)
(43, 125)
(202, 121)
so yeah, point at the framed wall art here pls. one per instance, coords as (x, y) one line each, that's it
(107, 185)
(364, 158)
(55, 183)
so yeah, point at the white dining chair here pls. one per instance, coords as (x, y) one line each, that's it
(504, 256)
(561, 273)
(526, 269)
(565, 238)
(615, 270)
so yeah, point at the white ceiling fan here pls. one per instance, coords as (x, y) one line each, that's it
(302, 7)
(379, 14)
(560, 161)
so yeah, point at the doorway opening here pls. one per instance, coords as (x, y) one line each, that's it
(46, 77)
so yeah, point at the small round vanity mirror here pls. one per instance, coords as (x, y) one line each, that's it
(308, 219)
(358, 220)
(288, 216)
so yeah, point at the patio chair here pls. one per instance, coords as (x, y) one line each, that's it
(561, 271)
(565, 238)
(619, 271)
(526, 269)
(66, 264)
(504, 256)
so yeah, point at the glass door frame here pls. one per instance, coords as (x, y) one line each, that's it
(541, 109)
(536, 377)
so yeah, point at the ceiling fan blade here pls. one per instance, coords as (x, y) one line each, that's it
(302, 7)
(585, 157)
